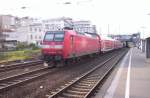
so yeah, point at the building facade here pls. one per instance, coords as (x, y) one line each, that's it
(57, 23)
(84, 26)
(32, 30)
(36, 33)
(7, 24)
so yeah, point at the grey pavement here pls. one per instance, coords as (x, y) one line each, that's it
(138, 78)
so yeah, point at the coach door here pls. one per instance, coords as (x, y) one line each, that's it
(72, 45)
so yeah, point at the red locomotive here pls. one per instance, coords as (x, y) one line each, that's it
(60, 46)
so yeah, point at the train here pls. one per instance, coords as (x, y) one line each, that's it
(58, 47)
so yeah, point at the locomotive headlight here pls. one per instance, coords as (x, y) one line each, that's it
(53, 46)
(58, 46)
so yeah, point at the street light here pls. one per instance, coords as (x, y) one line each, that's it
(67, 3)
(23, 7)
(142, 40)
(143, 31)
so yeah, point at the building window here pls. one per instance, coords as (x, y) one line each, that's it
(47, 26)
(30, 29)
(31, 37)
(35, 37)
(35, 29)
(40, 30)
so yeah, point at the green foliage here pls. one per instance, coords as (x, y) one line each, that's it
(22, 51)
(2, 56)
(33, 46)
(20, 55)
(22, 46)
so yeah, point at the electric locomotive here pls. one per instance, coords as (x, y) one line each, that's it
(60, 46)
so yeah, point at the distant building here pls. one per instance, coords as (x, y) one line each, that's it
(84, 26)
(57, 23)
(7, 24)
(9, 41)
(31, 30)
(36, 33)
(121, 37)
(94, 29)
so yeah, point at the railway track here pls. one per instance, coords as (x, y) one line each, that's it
(11, 81)
(20, 79)
(85, 86)
(17, 61)
(4, 68)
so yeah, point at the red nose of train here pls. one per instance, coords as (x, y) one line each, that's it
(52, 48)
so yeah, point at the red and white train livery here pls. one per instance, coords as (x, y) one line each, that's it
(68, 44)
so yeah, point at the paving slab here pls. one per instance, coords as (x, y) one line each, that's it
(130, 79)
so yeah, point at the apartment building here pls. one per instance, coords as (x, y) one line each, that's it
(57, 23)
(83, 26)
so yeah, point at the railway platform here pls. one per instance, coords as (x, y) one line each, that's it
(130, 79)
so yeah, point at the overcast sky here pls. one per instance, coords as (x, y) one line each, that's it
(122, 16)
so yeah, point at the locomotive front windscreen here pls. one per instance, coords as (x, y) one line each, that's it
(54, 36)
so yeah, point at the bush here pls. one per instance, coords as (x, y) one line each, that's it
(20, 55)
(33, 46)
(22, 46)
(2, 56)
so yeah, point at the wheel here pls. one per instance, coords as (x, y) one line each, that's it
(60, 63)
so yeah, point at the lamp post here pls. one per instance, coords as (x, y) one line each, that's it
(24, 8)
(108, 30)
(143, 46)
(143, 31)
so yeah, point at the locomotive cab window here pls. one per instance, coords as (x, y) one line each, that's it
(49, 37)
(59, 37)
(54, 36)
